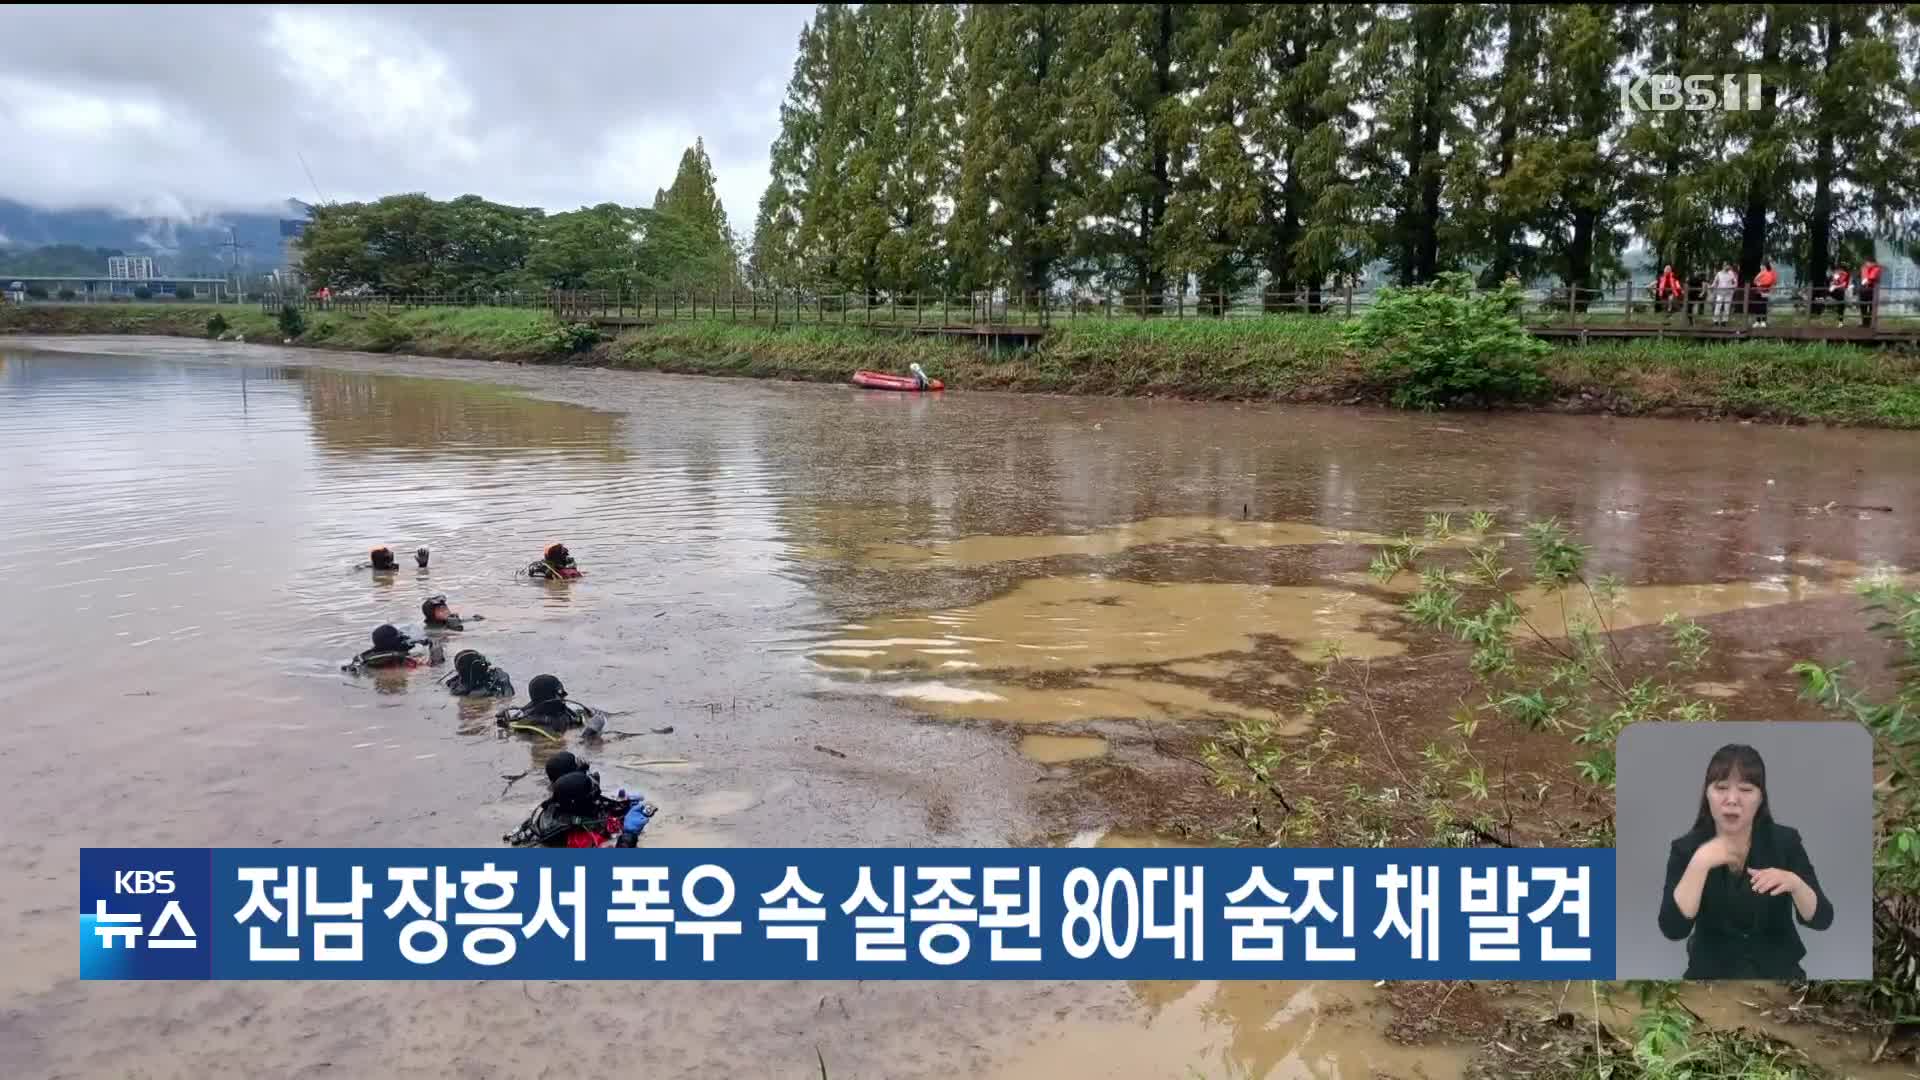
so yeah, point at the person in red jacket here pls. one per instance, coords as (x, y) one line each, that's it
(1763, 284)
(1869, 285)
(556, 564)
(1668, 292)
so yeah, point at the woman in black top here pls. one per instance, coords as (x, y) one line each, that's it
(1737, 882)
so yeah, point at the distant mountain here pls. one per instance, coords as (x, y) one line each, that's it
(196, 246)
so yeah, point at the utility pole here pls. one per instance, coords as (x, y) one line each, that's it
(233, 247)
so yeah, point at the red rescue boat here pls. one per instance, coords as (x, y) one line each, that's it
(880, 380)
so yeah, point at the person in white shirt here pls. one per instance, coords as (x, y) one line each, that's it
(1724, 283)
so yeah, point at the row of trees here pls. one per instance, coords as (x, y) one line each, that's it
(1142, 146)
(414, 244)
(55, 260)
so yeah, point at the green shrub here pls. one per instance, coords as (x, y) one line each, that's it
(67, 294)
(36, 292)
(292, 325)
(572, 338)
(143, 293)
(183, 292)
(1442, 345)
(216, 325)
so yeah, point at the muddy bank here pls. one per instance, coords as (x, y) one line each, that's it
(1277, 360)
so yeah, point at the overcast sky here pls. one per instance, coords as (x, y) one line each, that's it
(182, 109)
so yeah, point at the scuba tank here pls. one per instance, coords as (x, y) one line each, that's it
(474, 675)
(548, 707)
(577, 814)
(391, 648)
(557, 563)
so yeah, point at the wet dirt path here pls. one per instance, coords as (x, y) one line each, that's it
(868, 619)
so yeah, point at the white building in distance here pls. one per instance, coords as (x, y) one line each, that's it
(130, 267)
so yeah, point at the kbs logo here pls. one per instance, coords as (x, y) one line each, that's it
(142, 882)
(1662, 93)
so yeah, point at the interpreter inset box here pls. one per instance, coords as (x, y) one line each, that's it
(1744, 851)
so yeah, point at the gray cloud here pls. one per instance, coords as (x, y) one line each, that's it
(180, 109)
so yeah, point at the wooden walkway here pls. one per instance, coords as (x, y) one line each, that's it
(1858, 335)
(1026, 336)
(1022, 321)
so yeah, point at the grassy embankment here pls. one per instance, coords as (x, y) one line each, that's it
(1281, 358)
(1290, 358)
(480, 333)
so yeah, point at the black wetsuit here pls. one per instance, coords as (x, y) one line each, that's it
(495, 683)
(384, 658)
(555, 714)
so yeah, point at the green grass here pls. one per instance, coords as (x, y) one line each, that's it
(1265, 358)
(483, 333)
(479, 332)
(1829, 383)
(1250, 359)
(170, 319)
(806, 353)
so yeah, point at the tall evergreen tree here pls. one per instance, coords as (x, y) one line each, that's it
(1670, 193)
(1417, 60)
(1770, 40)
(772, 262)
(1582, 46)
(1850, 132)
(1138, 145)
(1124, 86)
(1214, 208)
(694, 199)
(801, 228)
(1300, 123)
(1499, 182)
(904, 165)
(1007, 226)
(688, 228)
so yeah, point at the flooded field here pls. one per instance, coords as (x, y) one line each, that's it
(822, 617)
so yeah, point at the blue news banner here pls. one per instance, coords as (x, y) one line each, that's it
(840, 913)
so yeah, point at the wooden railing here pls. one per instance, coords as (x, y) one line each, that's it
(1628, 305)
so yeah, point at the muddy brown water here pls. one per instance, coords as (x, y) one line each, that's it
(960, 597)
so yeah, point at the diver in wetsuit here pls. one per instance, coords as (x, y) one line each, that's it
(474, 676)
(919, 376)
(565, 762)
(438, 616)
(380, 560)
(577, 815)
(547, 707)
(557, 563)
(392, 649)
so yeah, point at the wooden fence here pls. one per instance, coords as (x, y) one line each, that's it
(1630, 307)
